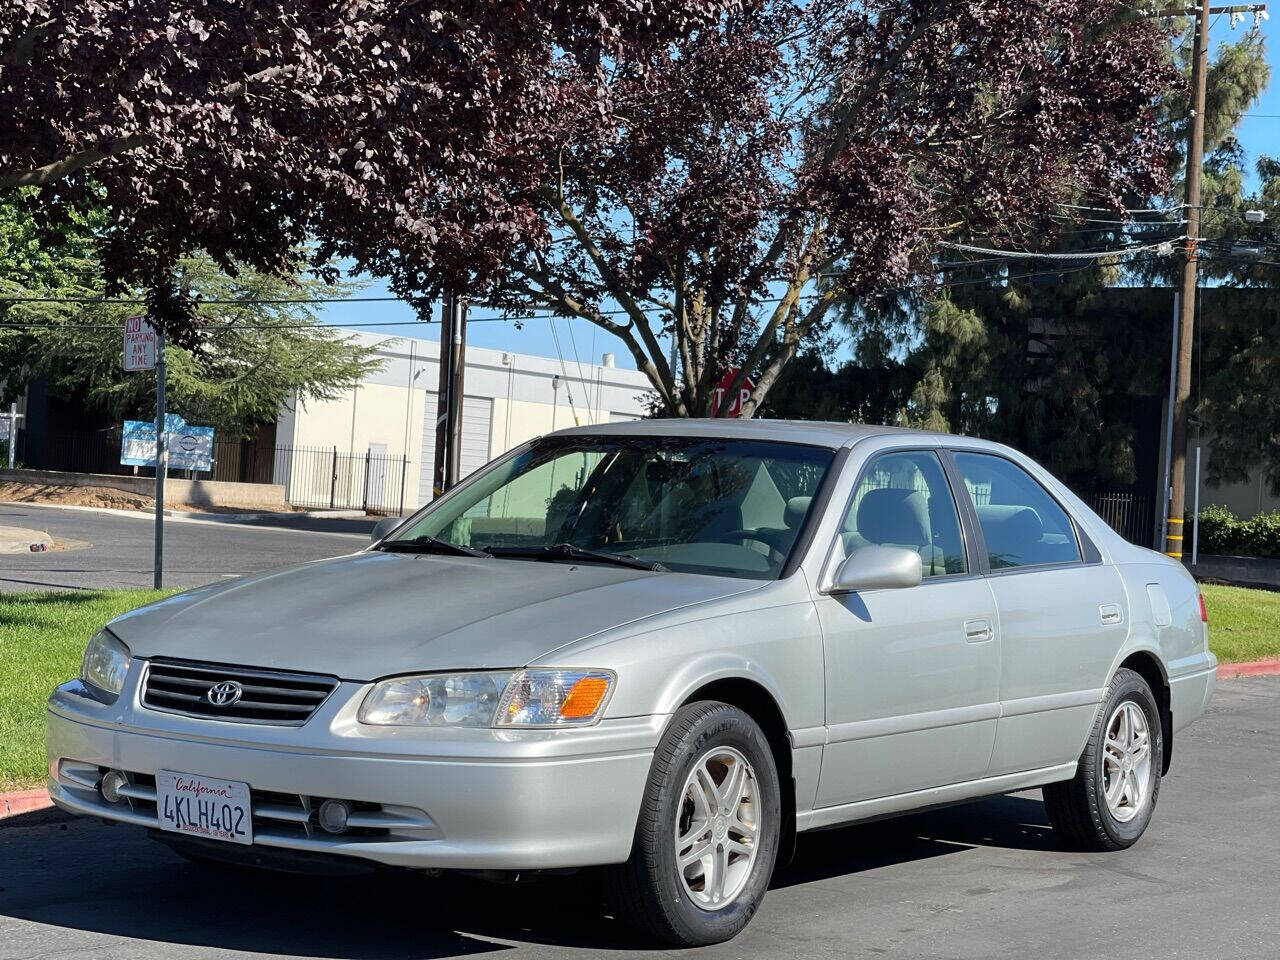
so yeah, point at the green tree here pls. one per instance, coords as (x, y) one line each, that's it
(253, 355)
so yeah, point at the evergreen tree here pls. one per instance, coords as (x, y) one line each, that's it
(253, 355)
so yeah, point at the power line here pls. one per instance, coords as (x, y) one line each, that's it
(1079, 255)
(131, 302)
(1076, 206)
(1124, 223)
(33, 325)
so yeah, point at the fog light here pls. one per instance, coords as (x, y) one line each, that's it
(111, 785)
(333, 816)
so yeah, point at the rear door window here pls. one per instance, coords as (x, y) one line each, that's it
(1022, 524)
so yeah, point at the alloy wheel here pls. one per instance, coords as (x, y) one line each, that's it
(717, 828)
(1126, 761)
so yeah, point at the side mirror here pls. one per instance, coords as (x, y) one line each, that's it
(384, 527)
(878, 568)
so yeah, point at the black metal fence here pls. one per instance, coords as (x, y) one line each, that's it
(330, 479)
(1132, 515)
(313, 477)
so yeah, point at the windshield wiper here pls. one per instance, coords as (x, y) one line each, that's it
(567, 551)
(425, 544)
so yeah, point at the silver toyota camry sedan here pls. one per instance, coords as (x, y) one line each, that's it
(660, 648)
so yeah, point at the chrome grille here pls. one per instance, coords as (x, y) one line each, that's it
(265, 696)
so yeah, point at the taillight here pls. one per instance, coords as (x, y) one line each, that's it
(1204, 614)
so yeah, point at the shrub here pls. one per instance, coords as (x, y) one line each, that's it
(1217, 530)
(1260, 535)
(1221, 531)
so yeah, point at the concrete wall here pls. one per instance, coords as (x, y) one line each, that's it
(200, 493)
(1254, 571)
(1242, 499)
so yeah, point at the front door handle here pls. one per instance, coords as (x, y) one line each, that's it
(978, 631)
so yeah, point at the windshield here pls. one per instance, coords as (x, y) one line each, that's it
(724, 507)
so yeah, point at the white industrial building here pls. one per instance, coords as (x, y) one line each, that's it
(384, 429)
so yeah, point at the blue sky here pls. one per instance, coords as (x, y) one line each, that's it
(1259, 134)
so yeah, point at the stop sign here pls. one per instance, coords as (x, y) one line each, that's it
(736, 402)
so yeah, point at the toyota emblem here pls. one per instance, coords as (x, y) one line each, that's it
(225, 694)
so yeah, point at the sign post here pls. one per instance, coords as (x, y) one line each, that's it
(144, 350)
(10, 432)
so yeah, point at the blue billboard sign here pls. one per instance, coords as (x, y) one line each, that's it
(190, 448)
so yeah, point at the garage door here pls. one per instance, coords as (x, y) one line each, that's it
(477, 423)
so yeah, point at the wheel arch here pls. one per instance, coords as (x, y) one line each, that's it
(1148, 665)
(759, 703)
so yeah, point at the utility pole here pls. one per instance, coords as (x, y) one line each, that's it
(162, 459)
(443, 445)
(1187, 312)
(1179, 412)
(457, 390)
(453, 353)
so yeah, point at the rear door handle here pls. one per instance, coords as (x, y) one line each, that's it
(978, 631)
(1111, 613)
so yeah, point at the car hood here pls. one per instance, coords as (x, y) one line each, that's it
(371, 615)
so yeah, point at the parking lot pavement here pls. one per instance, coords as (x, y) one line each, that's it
(978, 881)
(120, 548)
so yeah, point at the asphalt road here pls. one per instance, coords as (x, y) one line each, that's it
(978, 881)
(121, 545)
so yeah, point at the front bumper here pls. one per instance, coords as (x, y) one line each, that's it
(464, 799)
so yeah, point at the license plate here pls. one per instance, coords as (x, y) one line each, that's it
(204, 807)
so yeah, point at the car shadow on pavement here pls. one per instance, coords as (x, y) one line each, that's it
(1013, 822)
(114, 881)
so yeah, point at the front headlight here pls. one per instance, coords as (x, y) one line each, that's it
(105, 664)
(527, 698)
(435, 700)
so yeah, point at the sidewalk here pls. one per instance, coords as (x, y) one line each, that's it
(24, 540)
(345, 522)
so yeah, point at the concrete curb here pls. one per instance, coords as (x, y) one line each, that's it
(1255, 668)
(24, 801)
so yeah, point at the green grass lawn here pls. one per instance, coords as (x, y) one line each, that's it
(42, 637)
(1243, 624)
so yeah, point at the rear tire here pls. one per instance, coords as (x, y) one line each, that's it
(712, 803)
(1109, 802)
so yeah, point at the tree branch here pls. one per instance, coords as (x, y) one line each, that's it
(556, 296)
(790, 343)
(639, 320)
(785, 308)
(24, 47)
(39, 176)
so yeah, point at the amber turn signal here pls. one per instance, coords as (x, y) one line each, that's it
(584, 698)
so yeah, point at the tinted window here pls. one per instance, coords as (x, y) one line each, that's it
(699, 506)
(904, 500)
(1021, 523)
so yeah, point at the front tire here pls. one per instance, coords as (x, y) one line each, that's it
(1109, 803)
(708, 832)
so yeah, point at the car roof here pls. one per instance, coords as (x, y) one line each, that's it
(815, 432)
